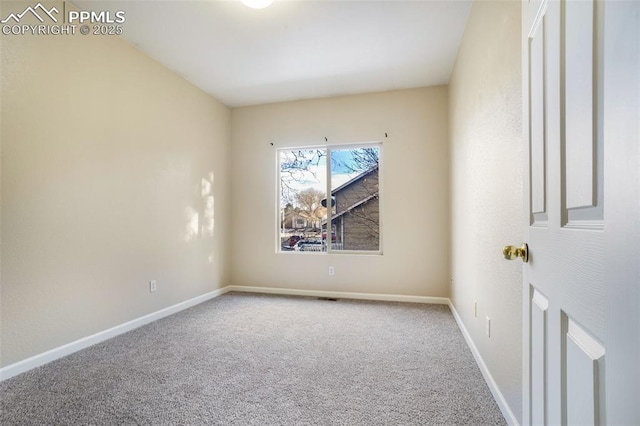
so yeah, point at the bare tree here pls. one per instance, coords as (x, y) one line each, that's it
(309, 202)
(288, 215)
(298, 166)
(361, 160)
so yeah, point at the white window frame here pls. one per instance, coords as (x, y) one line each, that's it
(329, 148)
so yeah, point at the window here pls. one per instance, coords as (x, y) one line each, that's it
(348, 220)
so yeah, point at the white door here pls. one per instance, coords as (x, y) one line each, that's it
(565, 292)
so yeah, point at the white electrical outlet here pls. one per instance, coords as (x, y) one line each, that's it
(332, 271)
(153, 286)
(488, 327)
(475, 309)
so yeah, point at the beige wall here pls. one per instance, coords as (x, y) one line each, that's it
(486, 156)
(415, 192)
(104, 157)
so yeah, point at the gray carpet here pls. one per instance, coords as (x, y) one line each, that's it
(246, 359)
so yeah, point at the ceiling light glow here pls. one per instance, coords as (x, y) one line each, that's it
(257, 4)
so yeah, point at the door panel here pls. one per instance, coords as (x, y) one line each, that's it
(538, 145)
(539, 306)
(582, 113)
(578, 108)
(584, 377)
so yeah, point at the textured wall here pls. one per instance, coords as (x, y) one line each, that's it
(486, 155)
(114, 172)
(414, 203)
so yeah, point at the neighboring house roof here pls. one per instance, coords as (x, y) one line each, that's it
(355, 179)
(349, 183)
(359, 203)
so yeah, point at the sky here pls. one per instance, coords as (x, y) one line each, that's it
(316, 176)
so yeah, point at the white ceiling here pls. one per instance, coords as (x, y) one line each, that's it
(297, 49)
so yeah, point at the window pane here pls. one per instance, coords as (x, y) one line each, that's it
(303, 176)
(355, 215)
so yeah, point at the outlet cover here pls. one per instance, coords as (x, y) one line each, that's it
(153, 286)
(488, 327)
(332, 271)
(475, 309)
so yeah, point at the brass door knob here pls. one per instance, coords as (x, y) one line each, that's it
(513, 252)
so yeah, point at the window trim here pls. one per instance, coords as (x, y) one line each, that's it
(331, 147)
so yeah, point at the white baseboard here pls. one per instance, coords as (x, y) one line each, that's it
(493, 386)
(340, 294)
(64, 350)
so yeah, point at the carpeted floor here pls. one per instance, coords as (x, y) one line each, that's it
(246, 359)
